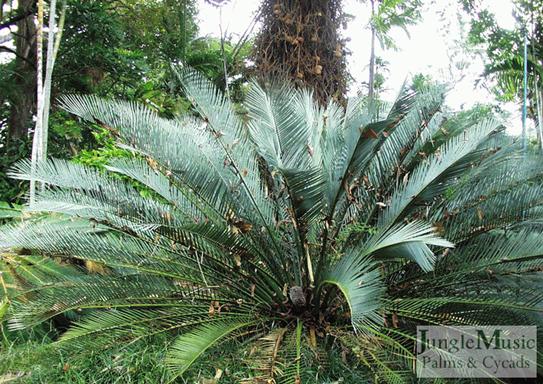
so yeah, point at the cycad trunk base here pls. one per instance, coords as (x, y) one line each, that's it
(241, 210)
(300, 41)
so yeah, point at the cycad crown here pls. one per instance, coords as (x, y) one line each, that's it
(289, 220)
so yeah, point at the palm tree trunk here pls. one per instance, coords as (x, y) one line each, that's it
(371, 82)
(38, 131)
(300, 42)
(224, 64)
(53, 45)
(43, 89)
(539, 112)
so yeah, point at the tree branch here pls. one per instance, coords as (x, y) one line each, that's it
(6, 38)
(17, 18)
(9, 50)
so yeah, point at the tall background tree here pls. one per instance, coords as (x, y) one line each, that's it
(503, 52)
(386, 15)
(44, 84)
(18, 94)
(301, 41)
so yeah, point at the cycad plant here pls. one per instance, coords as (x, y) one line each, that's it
(302, 229)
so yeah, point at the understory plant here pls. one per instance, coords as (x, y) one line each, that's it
(295, 229)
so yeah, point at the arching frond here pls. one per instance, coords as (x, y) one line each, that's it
(303, 226)
(191, 345)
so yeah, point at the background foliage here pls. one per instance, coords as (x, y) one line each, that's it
(118, 49)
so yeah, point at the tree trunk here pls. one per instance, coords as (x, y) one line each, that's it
(38, 130)
(371, 82)
(539, 112)
(53, 45)
(300, 41)
(23, 103)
